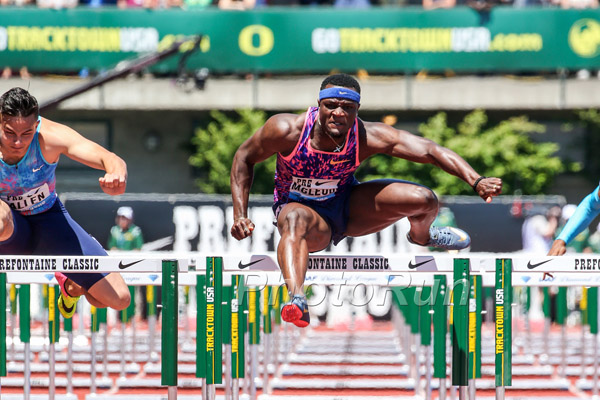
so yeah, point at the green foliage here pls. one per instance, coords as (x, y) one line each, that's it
(216, 144)
(591, 119)
(504, 150)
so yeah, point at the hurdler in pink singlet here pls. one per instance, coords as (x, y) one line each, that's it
(319, 179)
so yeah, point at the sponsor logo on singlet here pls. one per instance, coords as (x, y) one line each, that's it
(27, 201)
(313, 189)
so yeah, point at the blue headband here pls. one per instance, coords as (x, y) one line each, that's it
(339, 92)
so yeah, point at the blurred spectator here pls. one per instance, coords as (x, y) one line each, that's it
(125, 235)
(236, 4)
(23, 73)
(538, 230)
(352, 3)
(484, 7)
(433, 4)
(17, 3)
(581, 242)
(579, 4)
(316, 2)
(57, 4)
(533, 3)
(197, 4)
(97, 3)
(595, 240)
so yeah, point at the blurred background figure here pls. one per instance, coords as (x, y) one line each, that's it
(433, 4)
(125, 235)
(594, 240)
(539, 228)
(581, 242)
(236, 4)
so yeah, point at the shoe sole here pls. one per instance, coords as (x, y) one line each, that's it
(292, 313)
(300, 323)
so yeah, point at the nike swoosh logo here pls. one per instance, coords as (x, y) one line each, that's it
(334, 162)
(417, 265)
(37, 169)
(320, 183)
(242, 266)
(462, 236)
(340, 92)
(532, 266)
(123, 266)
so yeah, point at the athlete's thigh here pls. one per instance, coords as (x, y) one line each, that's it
(110, 289)
(376, 204)
(301, 221)
(56, 233)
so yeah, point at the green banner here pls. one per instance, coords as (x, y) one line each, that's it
(310, 40)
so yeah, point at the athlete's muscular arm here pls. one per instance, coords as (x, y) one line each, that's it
(57, 139)
(382, 138)
(278, 135)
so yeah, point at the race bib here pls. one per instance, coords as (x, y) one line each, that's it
(313, 189)
(28, 201)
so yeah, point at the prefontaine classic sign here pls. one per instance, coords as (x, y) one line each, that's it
(317, 40)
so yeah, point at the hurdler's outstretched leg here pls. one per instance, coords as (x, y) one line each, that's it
(105, 291)
(302, 231)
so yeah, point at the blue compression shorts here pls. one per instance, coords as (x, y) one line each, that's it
(53, 233)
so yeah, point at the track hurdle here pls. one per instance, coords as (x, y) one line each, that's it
(481, 265)
(22, 270)
(398, 267)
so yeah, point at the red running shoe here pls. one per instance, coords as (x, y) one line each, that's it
(296, 312)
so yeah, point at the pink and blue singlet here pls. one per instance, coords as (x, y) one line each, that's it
(322, 180)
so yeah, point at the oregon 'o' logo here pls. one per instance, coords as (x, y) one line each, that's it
(256, 40)
(584, 38)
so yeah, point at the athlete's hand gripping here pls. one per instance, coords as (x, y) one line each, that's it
(242, 228)
(113, 183)
(559, 247)
(489, 187)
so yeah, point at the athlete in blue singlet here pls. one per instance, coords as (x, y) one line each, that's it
(584, 214)
(33, 221)
(317, 198)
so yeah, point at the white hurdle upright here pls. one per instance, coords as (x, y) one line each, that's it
(24, 270)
